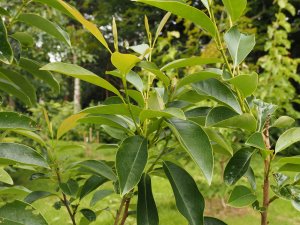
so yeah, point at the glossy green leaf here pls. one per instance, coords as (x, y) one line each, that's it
(134, 152)
(68, 124)
(288, 138)
(137, 97)
(135, 80)
(256, 140)
(98, 168)
(289, 167)
(198, 114)
(70, 188)
(5, 177)
(283, 122)
(46, 26)
(142, 49)
(292, 160)
(12, 153)
(193, 61)
(241, 196)
(196, 77)
(185, 11)
(189, 200)
(213, 221)
(6, 53)
(161, 26)
(264, 110)
(56, 5)
(167, 113)
(251, 177)
(156, 101)
(246, 84)
(91, 184)
(195, 141)
(237, 166)
(80, 73)
(89, 214)
(33, 67)
(124, 62)
(24, 38)
(31, 135)
(19, 80)
(21, 213)
(218, 142)
(239, 45)
(36, 195)
(146, 208)
(99, 195)
(235, 8)
(222, 116)
(218, 91)
(13, 120)
(115, 34)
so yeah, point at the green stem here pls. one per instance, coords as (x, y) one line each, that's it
(14, 18)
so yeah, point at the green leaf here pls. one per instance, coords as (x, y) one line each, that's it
(11, 153)
(36, 195)
(241, 196)
(33, 67)
(12, 120)
(46, 26)
(237, 166)
(288, 138)
(161, 26)
(264, 110)
(87, 24)
(124, 62)
(189, 200)
(24, 38)
(246, 84)
(289, 167)
(167, 113)
(235, 8)
(198, 115)
(193, 61)
(5, 177)
(239, 45)
(256, 140)
(131, 160)
(56, 5)
(213, 221)
(30, 135)
(89, 214)
(80, 73)
(70, 188)
(68, 124)
(218, 142)
(4, 12)
(292, 160)
(115, 34)
(195, 141)
(99, 195)
(91, 184)
(218, 91)
(98, 168)
(196, 77)
(137, 97)
(6, 53)
(21, 213)
(222, 116)
(146, 208)
(251, 177)
(20, 81)
(135, 80)
(283, 122)
(185, 11)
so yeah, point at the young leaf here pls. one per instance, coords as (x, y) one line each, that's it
(288, 138)
(30, 135)
(6, 53)
(241, 196)
(115, 34)
(5, 177)
(235, 8)
(21, 213)
(185, 11)
(81, 73)
(237, 166)
(147, 27)
(161, 26)
(114, 109)
(12, 120)
(131, 160)
(87, 24)
(69, 124)
(218, 91)
(36, 195)
(46, 26)
(124, 62)
(256, 140)
(283, 122)
(246, 84)
(195, 141)
(189, 200)
(146, 208)
(213, 221)
(193, 61)
(239, 45)
(167, 113)
(24, 38)
(91, 184)
(70, 188)
(292, 160)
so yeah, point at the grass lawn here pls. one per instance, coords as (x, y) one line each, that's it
(281, 213)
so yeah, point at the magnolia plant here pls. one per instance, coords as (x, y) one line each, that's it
(158, 115)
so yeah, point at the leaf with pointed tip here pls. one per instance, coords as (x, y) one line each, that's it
(185, 11)
(213, 221)
(195, 141)
(241, 196)
(283, 122)
(239, 45)
(131, 160)
(55, 5)
(292, 160)
(218, 142)
(251, 177)
(146, 208)
(135, 80)
(246, 84)
(33, 67)
(256, 140)
(235, 8)
(167, 113)
(36, 195)
(161, 26)
(46, 26)
(193, 61)
(91, 184)
(70, 188)
(99, 195)
(76, 71)
(89, 214)
(124, 62)
(31, 135)
(137, 97)
(288, 138)
(189, 200)
(5, 177)
(237, 166)
(12, 120)
(68, 124)
(218, 91)
(6, 52)
(24, 38)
